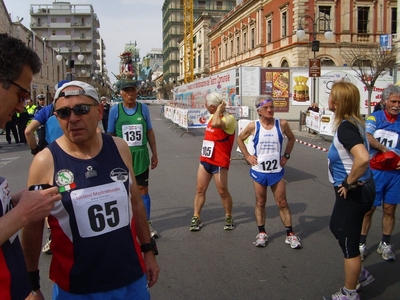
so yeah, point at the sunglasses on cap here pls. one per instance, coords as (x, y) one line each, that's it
(23, 94)
(79, 110)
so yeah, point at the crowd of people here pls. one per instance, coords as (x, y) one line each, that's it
(93, 186)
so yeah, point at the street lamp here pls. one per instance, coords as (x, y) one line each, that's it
(300, 33)
(71, 62)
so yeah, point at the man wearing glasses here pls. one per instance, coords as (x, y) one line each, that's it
(101, 208)
(18, 64)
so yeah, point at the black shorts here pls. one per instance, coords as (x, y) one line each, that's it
(143, 178)
(348, 214)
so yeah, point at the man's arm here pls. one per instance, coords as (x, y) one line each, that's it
(373, 143)
(249, 130)
(29, 206)
(41, 172)
(139, 215)
(152, 142)
(290, 136)
(30, 134)
(217, 121)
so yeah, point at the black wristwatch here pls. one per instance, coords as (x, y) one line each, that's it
(287, 155)
(349, 186)
(35, 151)
(150, 247)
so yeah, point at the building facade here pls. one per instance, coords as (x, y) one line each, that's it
(173, 28)
(72, 30)
(263, 33)
(52, 70)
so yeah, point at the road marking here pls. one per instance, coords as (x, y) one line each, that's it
(6, 161)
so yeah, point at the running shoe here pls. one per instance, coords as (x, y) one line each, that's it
(386, 251)
(229, 224)
(341, 295)
(261, 239)
(293, 240)
(364, 279)
(195, 224)
(153, 233)
(363, 250)
(46, 248)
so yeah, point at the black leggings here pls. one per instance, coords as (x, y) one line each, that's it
(348, 214)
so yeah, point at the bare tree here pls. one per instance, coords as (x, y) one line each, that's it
(369, 62)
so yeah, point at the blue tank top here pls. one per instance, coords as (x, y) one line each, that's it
(94, 244)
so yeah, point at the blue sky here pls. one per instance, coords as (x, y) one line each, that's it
(121, 22)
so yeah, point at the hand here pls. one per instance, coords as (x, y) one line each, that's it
(220, 108)
(342, 191)
(36, 205)
(283, 161)
(36, 295)
(252, 160)
(152, 268)
(154, 162)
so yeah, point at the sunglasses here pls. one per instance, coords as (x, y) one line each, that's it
(79, 110)
(23, 94)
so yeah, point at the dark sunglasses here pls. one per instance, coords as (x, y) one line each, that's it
(79, 110)
(23, 94)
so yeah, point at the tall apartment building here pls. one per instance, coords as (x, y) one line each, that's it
(173, 28)
(51, 71)
(71, 29)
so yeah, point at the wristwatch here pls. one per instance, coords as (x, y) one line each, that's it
(149, 247)
(287, 155)
(35, 151)
(349, 186)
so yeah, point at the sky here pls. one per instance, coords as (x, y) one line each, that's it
(121, 22)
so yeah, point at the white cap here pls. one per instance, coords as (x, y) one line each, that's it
(87, 90)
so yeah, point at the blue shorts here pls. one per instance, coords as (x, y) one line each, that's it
(136, 290)
(387, 187)
(211, 169)
(266, 179)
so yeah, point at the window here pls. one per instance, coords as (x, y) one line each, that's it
(394, 21)
(252, 39)
(226, 50)
(199, 61)
(67, 20)
(231, 47)
(362, 20)
(219, 4)
(53, 20)
(219, 53)
(201, 4)
(284, 23)
(269, 31)
(324, 15)
(244, 41)
(237, 44)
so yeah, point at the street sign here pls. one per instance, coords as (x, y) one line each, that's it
(314, 67)
(385, 41)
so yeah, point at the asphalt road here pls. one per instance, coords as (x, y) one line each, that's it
(217, 264)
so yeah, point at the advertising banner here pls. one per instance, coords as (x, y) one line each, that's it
(275, 82)
(193, 95)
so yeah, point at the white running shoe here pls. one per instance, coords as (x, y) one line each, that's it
(363, 251)
(386, 251)
(153, 233)
(261, 239)
(293, 241)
